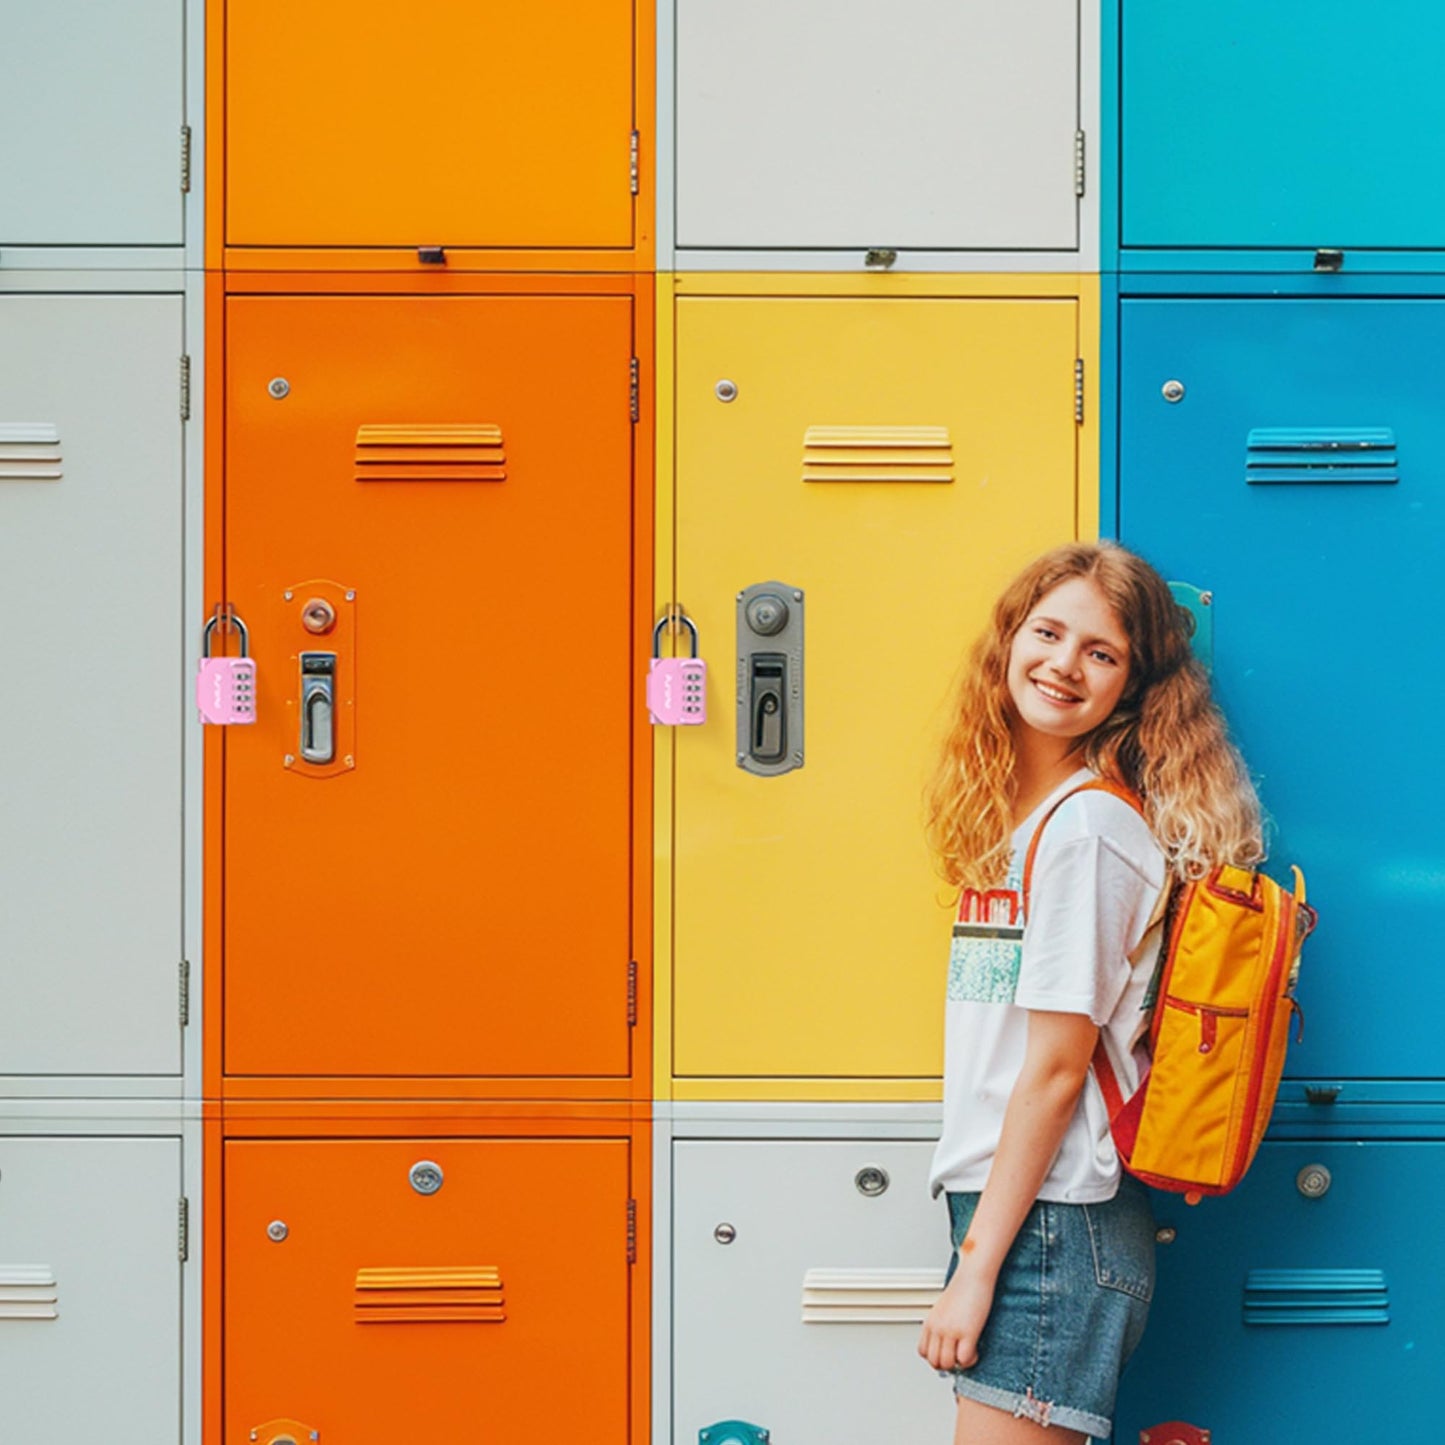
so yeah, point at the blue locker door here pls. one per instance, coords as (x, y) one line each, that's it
(1326, 601)
(1293, 123)
(1299, 1320)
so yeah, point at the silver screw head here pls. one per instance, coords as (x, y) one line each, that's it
(725, 1234)
(1172, 391)
(288, 595)
(726, 390)
(1206, 599)
(276, 1231)
(1313, 1181)
(289, 759)
(426, 1177)
(797, 757)
(871, 1180)
(1165, 1234)
(279, 388)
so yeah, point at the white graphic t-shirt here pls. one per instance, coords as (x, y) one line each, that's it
(1097, 878)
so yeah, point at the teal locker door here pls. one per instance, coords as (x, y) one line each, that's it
(1297, 123)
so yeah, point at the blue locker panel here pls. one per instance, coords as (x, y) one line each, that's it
(1306, 123)
(1299, 1320)
(1299, 477)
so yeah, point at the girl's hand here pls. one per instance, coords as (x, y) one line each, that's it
(949, 1340)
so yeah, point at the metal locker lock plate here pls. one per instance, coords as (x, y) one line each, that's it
(725, 1234)
(426, 1177)
(1313, 1181)
(871, 1181)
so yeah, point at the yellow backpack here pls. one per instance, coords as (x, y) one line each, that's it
(1222, 1003)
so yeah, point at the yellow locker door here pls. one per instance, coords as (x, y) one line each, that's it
(810, 936)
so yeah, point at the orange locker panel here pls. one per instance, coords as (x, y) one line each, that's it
(363, 123)
(436, 1290)
(428, 534)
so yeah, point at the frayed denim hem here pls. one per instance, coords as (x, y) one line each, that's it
(1029, 1407)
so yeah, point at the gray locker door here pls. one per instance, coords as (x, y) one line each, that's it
(928, 124)
(90, 1291)
(741, 1349)
(92, 662)
(91, 109)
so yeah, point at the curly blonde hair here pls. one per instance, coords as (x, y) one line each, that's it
(1166, 739)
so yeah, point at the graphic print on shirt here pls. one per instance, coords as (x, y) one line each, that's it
(988, 932)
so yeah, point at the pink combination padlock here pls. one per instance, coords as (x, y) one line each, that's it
(226, 686)
(677, 686)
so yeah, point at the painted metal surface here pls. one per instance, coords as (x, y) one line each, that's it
(1249, 125)
(821, 125)
(362, 125)
(92, 554)
(448, 892)
(90, 1289)
(362, 1306)
(808, 926)
(90, 144)
(1317, 588)
(1322, 1312)
(751, 1220)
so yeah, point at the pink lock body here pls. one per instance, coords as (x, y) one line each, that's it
(677, 691)
(226, 690)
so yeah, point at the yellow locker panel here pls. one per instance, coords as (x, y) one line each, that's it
(894, 460)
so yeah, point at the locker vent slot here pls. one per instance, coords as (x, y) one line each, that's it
(869, 1296)
(28, 1292)
(29, 452)
(877, 454)
(1321, 454)
(1316, 1297)
(430, 453)
(457, 1295)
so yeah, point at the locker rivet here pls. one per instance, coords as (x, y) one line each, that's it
(1165, 1234)
(1313, 1181)
(1173, 390)
(426, 1177)
(351, 596)
(1206, 599)
(726, 390)
(871, 1180)
(279, 387)
(289, 759)
(742, 757)
(288, 595)
(797, 595)
(350, 761)
(725, 1234)
(797, 757)
(276, 1231)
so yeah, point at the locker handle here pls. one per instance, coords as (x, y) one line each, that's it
(318, 707)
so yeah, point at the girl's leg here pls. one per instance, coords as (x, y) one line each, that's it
(980, 1424)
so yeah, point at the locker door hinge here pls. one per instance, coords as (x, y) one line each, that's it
(634, 389)
(1079, 389)
(1078, 163)
(631, 993)
(185, 991)
(185, 159)
(632, 1231)
(183, 1230)
(636, 142)
(185, 388)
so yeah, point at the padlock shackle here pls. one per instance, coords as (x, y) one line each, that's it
(672, 618)
(231, 620)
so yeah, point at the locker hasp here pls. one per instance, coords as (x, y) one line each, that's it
(676, 686)
(226, 686)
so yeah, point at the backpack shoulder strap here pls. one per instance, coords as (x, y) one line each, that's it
(1095, 785)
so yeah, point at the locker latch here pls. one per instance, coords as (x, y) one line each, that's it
(318, 707)
(770, 679)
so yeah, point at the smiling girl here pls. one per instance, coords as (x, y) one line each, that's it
(1082, 700)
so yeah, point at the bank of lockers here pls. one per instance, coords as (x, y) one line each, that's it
(433, 1288)
(441, 885)
(90, 144)
(1309, 1299)
(360, 125)
(94, 659)
(90, 1289)
(883, 465)
(1248, 125)
(1284, 455)
(802, 1269)
(821, 125)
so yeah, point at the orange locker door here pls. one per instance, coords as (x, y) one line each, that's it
(364, 123)
(429, 538)
(360, 1307)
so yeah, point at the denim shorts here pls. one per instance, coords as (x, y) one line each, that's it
(1068, 1311)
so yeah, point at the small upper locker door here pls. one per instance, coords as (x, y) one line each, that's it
(856, 481)
(932, 124)
(429, 531)
(93, 672)
(91, 112)
(361, 123)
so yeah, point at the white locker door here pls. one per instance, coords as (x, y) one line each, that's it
(91, 109)
(92, 662)
(805, 1215)
(90, 1291)
(925, 124)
